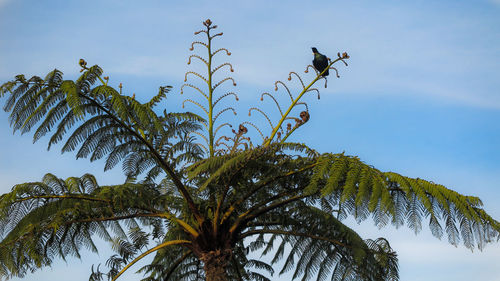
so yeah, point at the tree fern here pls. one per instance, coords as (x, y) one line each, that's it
(201, 198)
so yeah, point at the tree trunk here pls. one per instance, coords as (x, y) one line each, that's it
(215, 263)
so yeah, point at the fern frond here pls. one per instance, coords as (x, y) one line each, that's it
(56, 218)
(401, 199)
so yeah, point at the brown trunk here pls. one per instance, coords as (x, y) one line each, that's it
(215, 263)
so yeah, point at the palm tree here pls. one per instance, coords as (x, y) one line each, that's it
(206, 202)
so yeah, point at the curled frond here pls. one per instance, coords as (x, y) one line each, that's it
(197, 42)
(194, 87)
(218, 34)
(200, 31)
(220, 127)
(222, 81)
(256, 128)
(195, 103)
(304, 104)
(298, 76)
(196, 74)
(314, 90)
(224, 110)
(274, 99)
(198, 57)
(225, 95)
(222, 65)
(307, 69)
(263, 113)
(222, 49)
(336, 71)
(284, 86)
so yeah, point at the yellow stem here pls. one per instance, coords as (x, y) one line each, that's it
(210, 93)
(275, 130)
(163, 245)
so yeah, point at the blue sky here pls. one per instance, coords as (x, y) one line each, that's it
(421, 95)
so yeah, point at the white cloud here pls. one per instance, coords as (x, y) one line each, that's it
(394, 50)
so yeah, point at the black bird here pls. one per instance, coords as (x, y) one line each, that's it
(320, 62)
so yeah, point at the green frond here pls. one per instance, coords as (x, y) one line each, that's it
(102, 92)
(435, 227)
(7, 87)
(318, 176)
(56, 218)
(206, 165)
(390, 195)
(162, 93)
(67, 122)
(106, 115)
(26, 97)
(73, 99)
(119, 105)
(316, 238)
(19, 91)
(376, 193)
(53, 115)
(88, 78)
(83, 132)
(104, 146)
(27, 103)
(35, 116)
(230, 164)
(137, 163)
(352, 179)
(120, 152)
(299, 148)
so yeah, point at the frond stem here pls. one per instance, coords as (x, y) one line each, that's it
(292, 233)
(234, 204)
(166, 167)
(163, 245)
(249, 215)
(69, 196)
(275, 130)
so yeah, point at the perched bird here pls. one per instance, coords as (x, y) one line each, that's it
(320, 62)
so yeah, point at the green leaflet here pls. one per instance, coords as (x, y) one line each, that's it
(72, 97)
